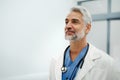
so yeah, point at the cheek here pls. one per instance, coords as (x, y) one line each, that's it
(79, 29)
(65, 28)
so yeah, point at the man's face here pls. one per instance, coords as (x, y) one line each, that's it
(75, 26)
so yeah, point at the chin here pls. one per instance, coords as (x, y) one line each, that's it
(71, 38)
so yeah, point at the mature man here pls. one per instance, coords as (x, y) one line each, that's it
(81, 60)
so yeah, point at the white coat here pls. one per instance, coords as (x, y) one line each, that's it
(97, 66)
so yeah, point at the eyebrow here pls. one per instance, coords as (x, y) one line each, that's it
(75, 19)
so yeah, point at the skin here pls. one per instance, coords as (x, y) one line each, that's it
(74, 24)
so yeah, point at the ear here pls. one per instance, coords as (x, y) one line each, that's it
(88, 28)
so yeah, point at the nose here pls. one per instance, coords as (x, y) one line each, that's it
(67, 28)
(68, 25)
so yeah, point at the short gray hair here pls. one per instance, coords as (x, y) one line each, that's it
(86, 14)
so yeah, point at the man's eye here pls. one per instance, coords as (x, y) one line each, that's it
(66, 22)
(75, 21)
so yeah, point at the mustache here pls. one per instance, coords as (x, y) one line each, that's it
(69, 31)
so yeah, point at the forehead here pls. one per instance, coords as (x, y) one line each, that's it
(74, 15)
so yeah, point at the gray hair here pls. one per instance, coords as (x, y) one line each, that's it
(86, 14)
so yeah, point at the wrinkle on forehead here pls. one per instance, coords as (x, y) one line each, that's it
(74, 15)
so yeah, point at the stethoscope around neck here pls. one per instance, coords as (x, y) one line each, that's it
(64, 68)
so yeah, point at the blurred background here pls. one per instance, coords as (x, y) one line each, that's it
(32, 32)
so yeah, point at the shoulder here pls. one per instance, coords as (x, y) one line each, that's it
(100, 52)
(56, 60)
(103, 58)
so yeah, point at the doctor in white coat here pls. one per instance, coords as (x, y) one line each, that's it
(81, 60)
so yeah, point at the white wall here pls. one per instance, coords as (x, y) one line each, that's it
(31, 32)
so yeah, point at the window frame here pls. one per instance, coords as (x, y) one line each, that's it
(106, 16)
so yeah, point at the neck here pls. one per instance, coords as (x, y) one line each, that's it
(76, 47)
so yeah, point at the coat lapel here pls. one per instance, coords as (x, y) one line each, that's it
(58, 73)
(88, 63)
(82, 72)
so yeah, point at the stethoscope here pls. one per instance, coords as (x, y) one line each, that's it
(64, 68)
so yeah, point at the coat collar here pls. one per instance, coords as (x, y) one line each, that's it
(88, 64)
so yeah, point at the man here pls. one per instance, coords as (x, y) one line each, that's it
(81, 60)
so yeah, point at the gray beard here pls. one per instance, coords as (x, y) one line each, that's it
(76, 36)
